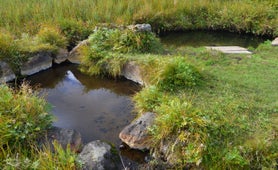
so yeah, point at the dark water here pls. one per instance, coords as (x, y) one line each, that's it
(210, 38)
(98, 108)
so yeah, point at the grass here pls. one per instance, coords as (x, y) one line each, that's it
(256, 17)
(24, 119)
(213, 110)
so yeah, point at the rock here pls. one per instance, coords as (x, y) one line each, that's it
(40, 61)
(6, 73)
(136, 135)
(140, 27)
(61, 56)
(230, 49)
(97, 155)
(275, 42)
(65, 137)
(74, 55)
(131, 71)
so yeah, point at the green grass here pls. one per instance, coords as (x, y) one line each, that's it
(256, 17)
(24, 119)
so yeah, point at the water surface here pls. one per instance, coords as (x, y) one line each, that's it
(210, 38)
(99, 108)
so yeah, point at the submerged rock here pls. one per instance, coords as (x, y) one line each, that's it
(40, 61)
(136, 134)
(6, 73)
(131, 71)
(275, 42)
(65, 137)
(74, 55)
(97, 155)
(140, 27)
(61, 56)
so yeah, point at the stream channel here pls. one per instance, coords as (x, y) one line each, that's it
(99, 108)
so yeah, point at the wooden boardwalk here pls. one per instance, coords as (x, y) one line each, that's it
(230, 49)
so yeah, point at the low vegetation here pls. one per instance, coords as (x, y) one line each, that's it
(24, 119)
(213, 110)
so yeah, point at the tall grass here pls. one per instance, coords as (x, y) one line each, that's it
(257, 17)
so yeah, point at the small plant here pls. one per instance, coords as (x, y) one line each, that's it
(177, 74)
(23, 116)
(52, 35)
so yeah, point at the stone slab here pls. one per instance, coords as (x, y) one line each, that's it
(6, 73)
(230, 49)
(275, 42)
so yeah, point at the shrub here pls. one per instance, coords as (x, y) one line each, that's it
(177, 74)
(23, 116)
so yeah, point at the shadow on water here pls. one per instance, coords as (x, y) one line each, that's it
(210, 38)
(99, 108)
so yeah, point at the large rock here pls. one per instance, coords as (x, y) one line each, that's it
(6, 73)
(131, 71)
(275, 42)
(97, 155)
(40, 61)
(74, 55)
(136, 135)
(61, 56)
(140, 27)
(65, 137)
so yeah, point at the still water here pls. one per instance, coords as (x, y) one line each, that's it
(210, 38)
(99, 108)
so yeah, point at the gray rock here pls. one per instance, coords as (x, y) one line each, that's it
(275, 42)
(230, 49)
(136, 134)
(74, 55)
(40, 61)
(97, 155)
(65, 137)
(131, 71)
(61, 56)
(6, 73)
(140, 27)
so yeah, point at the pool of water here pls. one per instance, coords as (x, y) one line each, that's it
(210, 38)
(99, 108)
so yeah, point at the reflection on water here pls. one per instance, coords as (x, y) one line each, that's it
(98, 108)
(210, 38)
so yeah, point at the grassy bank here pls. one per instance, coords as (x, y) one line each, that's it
(214, 111)
(77, 18)
(24, 120)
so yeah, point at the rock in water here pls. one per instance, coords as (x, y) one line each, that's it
(65, 137)
(131, 71)
(74, 55)
(61, 56)
(275, 42)
(6, 73)
(97, 155)
(136, 134)
(40, 61)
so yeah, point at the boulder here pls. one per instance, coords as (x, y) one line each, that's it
(64, 137)
(6, 73)
(40, 61)
(275, 42)
(61, 56)
(136, 134)
(131, 71)
(97, 155)
(140, 27)
(74, 55)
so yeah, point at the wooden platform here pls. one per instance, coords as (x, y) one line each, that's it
(230, 49)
